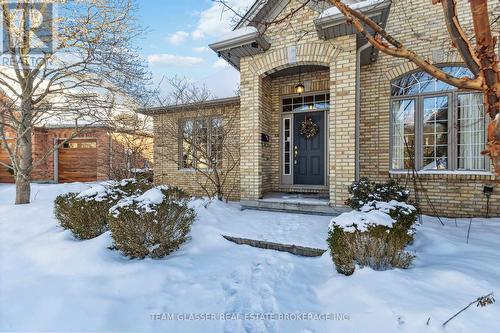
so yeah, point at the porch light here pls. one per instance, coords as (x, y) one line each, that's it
(299, 88)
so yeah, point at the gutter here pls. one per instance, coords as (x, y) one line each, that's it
(188, 106)
(237, 41)
(358, 106)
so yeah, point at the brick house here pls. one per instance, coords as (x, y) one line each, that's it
(95, 153)
(319, 108)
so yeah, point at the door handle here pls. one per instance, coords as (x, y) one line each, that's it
(295, 154)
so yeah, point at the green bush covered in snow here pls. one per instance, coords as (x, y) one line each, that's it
(86, 213)
(364, 191)
(152, 224)
(377, 232)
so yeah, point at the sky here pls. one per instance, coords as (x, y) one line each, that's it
(177, 39)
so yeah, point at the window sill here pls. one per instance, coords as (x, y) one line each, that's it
(194, 170)
(187, 170)
(448, 174)
(445, 172)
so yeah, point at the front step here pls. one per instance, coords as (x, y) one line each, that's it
(313, 208)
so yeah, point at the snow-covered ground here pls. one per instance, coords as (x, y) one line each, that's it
(52, 282)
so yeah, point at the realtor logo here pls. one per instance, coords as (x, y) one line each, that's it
(32, 18)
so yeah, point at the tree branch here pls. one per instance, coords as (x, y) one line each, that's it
(458, 36)
(399, 50)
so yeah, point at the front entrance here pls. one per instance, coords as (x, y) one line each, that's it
(309, 148)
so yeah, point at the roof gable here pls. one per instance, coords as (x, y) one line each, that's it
(268, 10)
(251, 35)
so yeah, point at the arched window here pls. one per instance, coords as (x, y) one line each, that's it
(435, 126)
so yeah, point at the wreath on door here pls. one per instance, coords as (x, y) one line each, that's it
(308, 128)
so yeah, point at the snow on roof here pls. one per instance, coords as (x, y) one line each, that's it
(241, 32)
(334, 11)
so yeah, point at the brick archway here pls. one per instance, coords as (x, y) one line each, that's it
(307, 54)
(256, 81)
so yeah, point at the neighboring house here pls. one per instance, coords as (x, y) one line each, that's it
(108, 140)
(95, 153)
(361, 114)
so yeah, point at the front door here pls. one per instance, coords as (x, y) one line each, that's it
(309, 148)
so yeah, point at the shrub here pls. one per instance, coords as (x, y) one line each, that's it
(144, 174)
(377, 233)
(153, 224)
(85, 218)
(86, 213)
(364, 191)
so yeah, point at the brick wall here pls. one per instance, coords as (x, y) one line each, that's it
(454, 195)
(167, 168)
(44, 140)
(420, 26)
(257, 171)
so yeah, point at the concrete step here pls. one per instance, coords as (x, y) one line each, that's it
(296, 207)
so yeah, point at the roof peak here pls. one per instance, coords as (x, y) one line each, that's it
(261, 9)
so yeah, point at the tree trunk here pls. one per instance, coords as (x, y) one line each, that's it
(23, 190)
(485, 52)
(24, 154)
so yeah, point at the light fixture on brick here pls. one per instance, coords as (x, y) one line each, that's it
(300, 88)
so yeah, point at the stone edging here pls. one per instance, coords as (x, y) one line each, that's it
(290, 248)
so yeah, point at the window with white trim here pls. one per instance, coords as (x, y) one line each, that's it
(201, 143)
(435, 126)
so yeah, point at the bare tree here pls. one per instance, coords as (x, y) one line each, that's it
(478, 53)
(210, 141)
(182, 90)
(75, 69)
(131, 147)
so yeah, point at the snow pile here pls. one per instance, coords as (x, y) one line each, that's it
(387, 207)
(150, 197)
(140, 170)
(371, 214)
(334, 11)
(98, 192)
(144, 202)
(61, 283)
(360, 221)
(105, 190)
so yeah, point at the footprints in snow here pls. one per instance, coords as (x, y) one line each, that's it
(250, 290)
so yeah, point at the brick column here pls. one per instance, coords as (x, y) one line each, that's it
(250, 124)
(342, 120)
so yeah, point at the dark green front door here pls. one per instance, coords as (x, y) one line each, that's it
(309, 152)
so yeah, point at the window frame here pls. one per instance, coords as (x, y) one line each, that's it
(195, 120)
(419, 133)
(312, 94)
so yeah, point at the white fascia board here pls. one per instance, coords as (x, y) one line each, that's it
(332, 16)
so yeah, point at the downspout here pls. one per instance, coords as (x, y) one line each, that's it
(110, 154)
(358, 105)
(56, 160)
